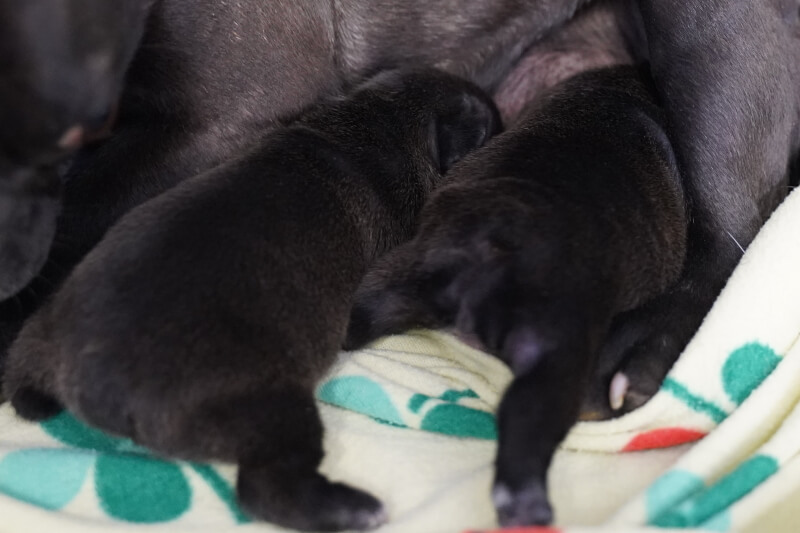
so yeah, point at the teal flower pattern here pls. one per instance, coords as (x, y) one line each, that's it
(130, 483)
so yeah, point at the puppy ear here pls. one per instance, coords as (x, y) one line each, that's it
(464, 125)
(396, 295)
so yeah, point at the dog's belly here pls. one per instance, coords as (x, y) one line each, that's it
(603, 34)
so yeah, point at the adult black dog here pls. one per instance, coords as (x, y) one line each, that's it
(62, 64)
(531, 248)
(250, 270)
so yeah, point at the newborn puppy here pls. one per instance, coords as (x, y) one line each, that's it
(201, 323)
(62, 64)
(531, 248)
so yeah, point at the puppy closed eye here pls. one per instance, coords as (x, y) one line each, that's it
(464, 127)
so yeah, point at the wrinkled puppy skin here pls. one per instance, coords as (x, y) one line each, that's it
(536, 242)
(201, 323)
(62, 64)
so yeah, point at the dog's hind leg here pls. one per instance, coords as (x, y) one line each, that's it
(537, 410)
(276, 437)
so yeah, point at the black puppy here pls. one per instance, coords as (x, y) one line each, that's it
(62, 64)
(531, 248)
(201, 323)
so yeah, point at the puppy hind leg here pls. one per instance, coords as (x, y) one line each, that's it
(536, 412)
(277, 438)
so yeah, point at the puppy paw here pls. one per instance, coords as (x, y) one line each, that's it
(527, 506)
(639, 352)
(349, 508)
(307, 502)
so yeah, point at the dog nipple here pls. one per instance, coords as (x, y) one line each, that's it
(618, 390)
(72, 139)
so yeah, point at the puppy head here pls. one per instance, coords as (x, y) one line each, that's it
(452, 115)
(412, 125)
(62, 64)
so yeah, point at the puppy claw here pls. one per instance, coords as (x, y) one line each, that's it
(618, 390)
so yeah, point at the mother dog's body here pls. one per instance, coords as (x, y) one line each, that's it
(211, 77)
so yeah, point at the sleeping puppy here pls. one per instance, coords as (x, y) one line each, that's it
(535, 243)
(62, 64)
(201, 323)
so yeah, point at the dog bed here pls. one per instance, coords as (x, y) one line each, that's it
(410, 420)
